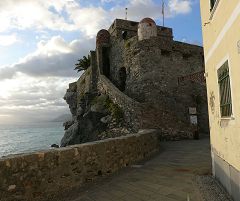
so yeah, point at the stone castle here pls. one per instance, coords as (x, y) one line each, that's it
(139, 78)
(140, 75)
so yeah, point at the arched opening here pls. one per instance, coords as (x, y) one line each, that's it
(122, 78)
(124, 35)
(105, 62)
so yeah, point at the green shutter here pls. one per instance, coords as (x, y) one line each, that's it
(225, 90)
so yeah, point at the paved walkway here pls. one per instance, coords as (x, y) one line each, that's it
(169, 176)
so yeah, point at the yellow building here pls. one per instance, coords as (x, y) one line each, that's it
(221, 41)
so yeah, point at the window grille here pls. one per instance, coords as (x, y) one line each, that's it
(225, 90)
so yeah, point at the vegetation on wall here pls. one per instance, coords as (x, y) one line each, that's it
(82, 64)
(114, 109)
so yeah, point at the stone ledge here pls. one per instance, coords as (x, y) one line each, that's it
(38, 175)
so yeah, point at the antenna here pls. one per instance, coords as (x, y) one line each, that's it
(163, 11)
(126, 16)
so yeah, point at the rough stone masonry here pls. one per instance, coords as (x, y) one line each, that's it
(148, 76)
(44, 175)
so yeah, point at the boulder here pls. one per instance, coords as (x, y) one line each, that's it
(70, 134)
(86, 129)
(55, 146)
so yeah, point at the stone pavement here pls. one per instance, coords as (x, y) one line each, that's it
(169, 176)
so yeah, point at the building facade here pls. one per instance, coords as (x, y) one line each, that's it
(221, 40)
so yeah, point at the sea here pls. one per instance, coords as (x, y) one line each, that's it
(30, 137)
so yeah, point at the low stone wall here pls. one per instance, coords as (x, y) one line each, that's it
(43, 175)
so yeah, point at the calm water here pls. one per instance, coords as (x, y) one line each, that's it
(16, 139)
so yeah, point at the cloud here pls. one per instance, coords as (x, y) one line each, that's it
(7, 40)
(54, 57)
(180, 6)
(65, 15)
(37, 14)
(29, 98)
(138, 9)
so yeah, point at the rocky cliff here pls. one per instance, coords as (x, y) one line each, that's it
(94, 115)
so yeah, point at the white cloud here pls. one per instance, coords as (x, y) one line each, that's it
(36, 14)
(54, 57)
(7, 40)
(40, 15)
(88, 20)
(28, 98)
(180, 6)
(138, 9)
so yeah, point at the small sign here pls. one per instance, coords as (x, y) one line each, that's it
(193, 119)
(192, 110)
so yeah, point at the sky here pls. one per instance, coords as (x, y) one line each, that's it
(40, 41)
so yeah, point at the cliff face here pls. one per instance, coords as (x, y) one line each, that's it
(94, 115)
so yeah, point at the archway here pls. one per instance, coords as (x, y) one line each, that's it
(122, 78)
(106, 62)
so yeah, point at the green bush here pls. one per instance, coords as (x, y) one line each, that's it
(114, 109)
(127, 44)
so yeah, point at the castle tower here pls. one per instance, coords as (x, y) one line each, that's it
(146, 29)
(102, 45)
(103, 38)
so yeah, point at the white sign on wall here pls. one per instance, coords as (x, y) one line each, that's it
(193, 119)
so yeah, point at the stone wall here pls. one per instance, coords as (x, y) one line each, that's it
(130, 107)
(153, 67)
(44, 175)
(131, 28)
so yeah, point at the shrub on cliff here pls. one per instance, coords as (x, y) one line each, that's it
(82, 64)
(105, 102)
(114, 109)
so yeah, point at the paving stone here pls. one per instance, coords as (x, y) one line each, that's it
(158, 179)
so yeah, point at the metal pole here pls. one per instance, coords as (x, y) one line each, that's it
(163, 11)
(126, 13)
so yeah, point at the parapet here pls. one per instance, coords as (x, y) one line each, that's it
(120, 26)
(39, 176)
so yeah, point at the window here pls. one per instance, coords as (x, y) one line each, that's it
(213, 7)
(212, 3)
(225, 90)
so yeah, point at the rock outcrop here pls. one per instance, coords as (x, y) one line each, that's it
(94, 115)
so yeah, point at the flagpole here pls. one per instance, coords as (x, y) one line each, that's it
(163, 11)
(126, 16)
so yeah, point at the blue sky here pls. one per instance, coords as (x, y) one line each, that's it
(41, 40)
